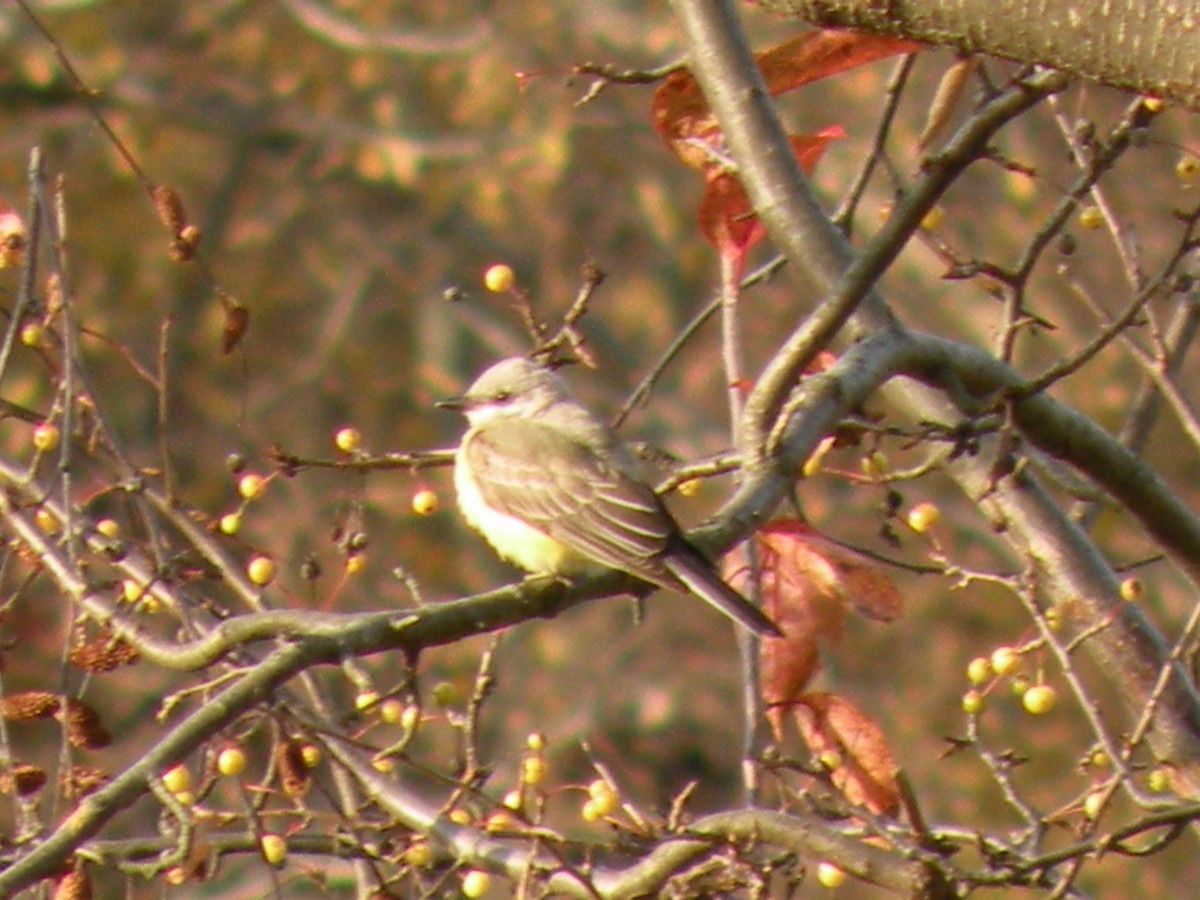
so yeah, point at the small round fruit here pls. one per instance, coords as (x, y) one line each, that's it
(1131, 589)
(604, 796)
(310, 754)
(231, 761)
(109, 528)
(923, 516)
(688, 488)
(972, 703)
(533, 770)
(261, 570)
(933, 218)
(829, 875)
(460, 816)
(391, 711)
(384, 764)
(347, 439)
(590, 811)
(411, 717)
(1090, 217)
(131, 591)
(355, 563)
(499, 278)
(979, 670)
(501, 820)
(445, 693)
(33, 334)
(364, 700)
(231, 523)
(1159, 780)
(177, 779)
(1005, 660)
(419, 854)
(46, 437)
(829, 759)
(535, 741)
(512, 800)
(251, 485)
(45, 521)
(1039, 699)
(274, 849)
(1093, 803)
(424, 502)
(1187, 169)
(475, 883)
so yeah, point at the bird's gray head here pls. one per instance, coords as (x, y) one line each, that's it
(516, 387)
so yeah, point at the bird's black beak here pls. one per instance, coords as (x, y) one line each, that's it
(458, 403)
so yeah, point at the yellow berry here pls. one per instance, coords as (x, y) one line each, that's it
(384, 764)
(1005, 660)
(310, 755)
(177, 779)
(689, 488)
(460, 816)
(33, 334)
(475, 883)
(445, 693)
(533, 770)
(972, 703)
(231, 761)
(1159, 780)
(590, 811)
(364, 700)
(1054, 618)
(418, 854)
(251, 485)
(829, 875)
(45, 521)
(1090, 217)
(131, 591)
(1093, 803)
(1187, 169)
(512, 800)
(933, 218)
(1039, 699)
(176, 876)
(149, 604)
(1131, 589)
(1152, 104)
(829, 759)
(424, 502)
(355, 563)
(391, 711)
(231, 523)
(347, 439)
(499, 278)
(185, 798)
(274, 849)
(260, 570)
(1099, 758)
(46, 437)
(536, 741)
(1020, 684)
(923, 516)
(604, 796)
(109, 528)
(979, 670)
(501, 820)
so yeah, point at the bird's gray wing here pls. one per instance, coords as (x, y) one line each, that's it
(579, 496)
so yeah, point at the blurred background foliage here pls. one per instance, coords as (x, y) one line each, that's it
(350, 161)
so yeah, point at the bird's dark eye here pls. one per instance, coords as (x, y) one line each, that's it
(502, 396)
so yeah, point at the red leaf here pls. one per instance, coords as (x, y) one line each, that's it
(727, 217)
(838, 571)
(866, 773)
(814, 55)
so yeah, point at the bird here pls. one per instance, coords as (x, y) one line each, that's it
(554, 490)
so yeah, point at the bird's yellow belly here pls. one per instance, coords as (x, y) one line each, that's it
(519, 543)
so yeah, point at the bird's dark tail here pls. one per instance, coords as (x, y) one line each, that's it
(698, 576)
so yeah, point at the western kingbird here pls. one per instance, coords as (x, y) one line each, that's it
(552, 489)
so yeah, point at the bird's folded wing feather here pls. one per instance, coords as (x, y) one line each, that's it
(558, 484)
